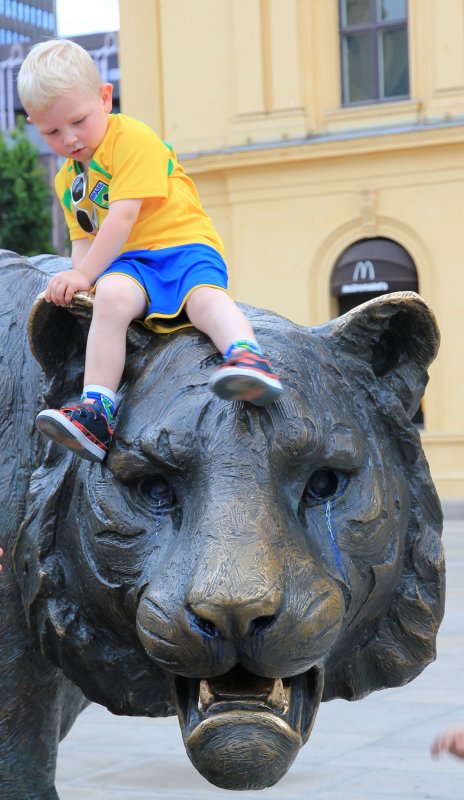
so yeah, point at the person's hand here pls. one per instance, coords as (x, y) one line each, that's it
(452, 741)
(64, 285)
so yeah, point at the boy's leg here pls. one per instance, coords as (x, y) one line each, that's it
(246, 374)
(213, 312)
(86, 427)
(118, 301)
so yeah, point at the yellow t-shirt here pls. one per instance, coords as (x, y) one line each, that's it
(133, 163)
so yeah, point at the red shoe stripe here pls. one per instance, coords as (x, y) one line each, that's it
(87, 433)
(247, 357)
(251, 368)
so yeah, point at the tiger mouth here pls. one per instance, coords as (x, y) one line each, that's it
(291, 702)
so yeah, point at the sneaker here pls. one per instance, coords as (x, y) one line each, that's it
(246, 376)
(83, 428)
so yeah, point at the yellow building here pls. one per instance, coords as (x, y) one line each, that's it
(326, 139)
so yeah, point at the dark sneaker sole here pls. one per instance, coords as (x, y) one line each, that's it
(238, 383)
(58, 427)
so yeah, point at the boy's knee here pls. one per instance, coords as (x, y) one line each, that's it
(119, 300)
(105, 297)
(202, 296)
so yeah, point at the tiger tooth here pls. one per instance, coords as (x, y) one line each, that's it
(279, 696)
(206, 696)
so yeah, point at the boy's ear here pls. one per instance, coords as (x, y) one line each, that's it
(107, 96)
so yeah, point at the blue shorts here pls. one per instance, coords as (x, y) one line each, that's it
(167, 277)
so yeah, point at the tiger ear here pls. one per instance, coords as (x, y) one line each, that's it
(397, 335)
(58, 339)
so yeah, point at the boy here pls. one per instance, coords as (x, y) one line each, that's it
(140, 239)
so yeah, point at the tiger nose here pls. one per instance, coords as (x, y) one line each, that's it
(234, 621)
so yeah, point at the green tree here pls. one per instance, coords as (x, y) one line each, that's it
(25, 197)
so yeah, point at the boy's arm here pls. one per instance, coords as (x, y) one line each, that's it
(79, 249)
(107, 244)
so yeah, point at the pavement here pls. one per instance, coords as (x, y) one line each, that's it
(371, 749)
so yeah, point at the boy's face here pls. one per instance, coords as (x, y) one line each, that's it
(74, 125)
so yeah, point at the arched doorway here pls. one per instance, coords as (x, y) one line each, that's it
(369, 268)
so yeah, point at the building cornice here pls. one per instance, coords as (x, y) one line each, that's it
(332, 145)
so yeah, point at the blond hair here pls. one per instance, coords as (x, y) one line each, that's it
(52, 69)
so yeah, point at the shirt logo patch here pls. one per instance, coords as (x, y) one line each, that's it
(99, 194)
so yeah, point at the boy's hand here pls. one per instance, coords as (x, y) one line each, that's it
(64, 285)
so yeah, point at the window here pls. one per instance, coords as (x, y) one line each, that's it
(374, 50)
